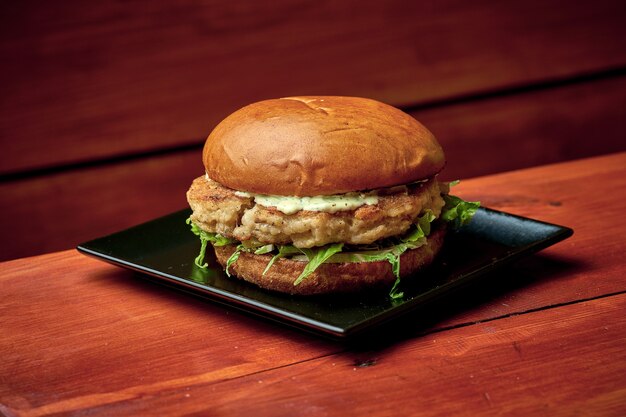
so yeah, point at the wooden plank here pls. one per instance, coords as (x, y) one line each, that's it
(125, 347)
(558, 362)
(62, 210)
(92, 81)
(85, 328)
(535, 128)
(479, 138)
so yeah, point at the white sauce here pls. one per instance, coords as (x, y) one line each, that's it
(325, 203)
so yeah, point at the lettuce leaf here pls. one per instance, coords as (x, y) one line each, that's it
(414, 240)
(206, 237)
(283, 251)
(258, 250)
(425, 221)
(262, 250)
(457, 211)
(316, 257)
(233, 258)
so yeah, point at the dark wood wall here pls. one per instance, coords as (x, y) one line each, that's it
(105, 105)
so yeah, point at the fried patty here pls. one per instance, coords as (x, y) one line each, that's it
(218, 209)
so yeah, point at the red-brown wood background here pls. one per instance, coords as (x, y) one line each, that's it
(104, 105)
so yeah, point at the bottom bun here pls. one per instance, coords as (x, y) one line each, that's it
(328, 277)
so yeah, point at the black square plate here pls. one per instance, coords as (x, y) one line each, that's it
(165, 248)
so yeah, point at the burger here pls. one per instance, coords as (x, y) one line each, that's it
(323, 194)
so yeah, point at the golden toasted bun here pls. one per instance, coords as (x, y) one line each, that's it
(305, 146)
(329, 277)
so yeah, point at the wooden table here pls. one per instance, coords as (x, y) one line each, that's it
(546, 336)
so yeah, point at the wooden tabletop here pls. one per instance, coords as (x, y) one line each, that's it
(546, 336)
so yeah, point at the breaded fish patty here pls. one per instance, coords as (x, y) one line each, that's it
(218, 209)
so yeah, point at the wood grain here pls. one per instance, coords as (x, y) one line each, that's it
(585, 195)
(59, 210)
(84, 337)
(98, 80)
(62, 210)
(556, 362)
(530, 129)
(75, 329)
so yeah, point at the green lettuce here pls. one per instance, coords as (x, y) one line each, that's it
(283, 250)
(316, 257)
(457, 211)
(206, 237)
(262, 250)
(233, 258)
(413, 240)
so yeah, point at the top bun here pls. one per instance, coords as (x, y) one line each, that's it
(306, 146)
